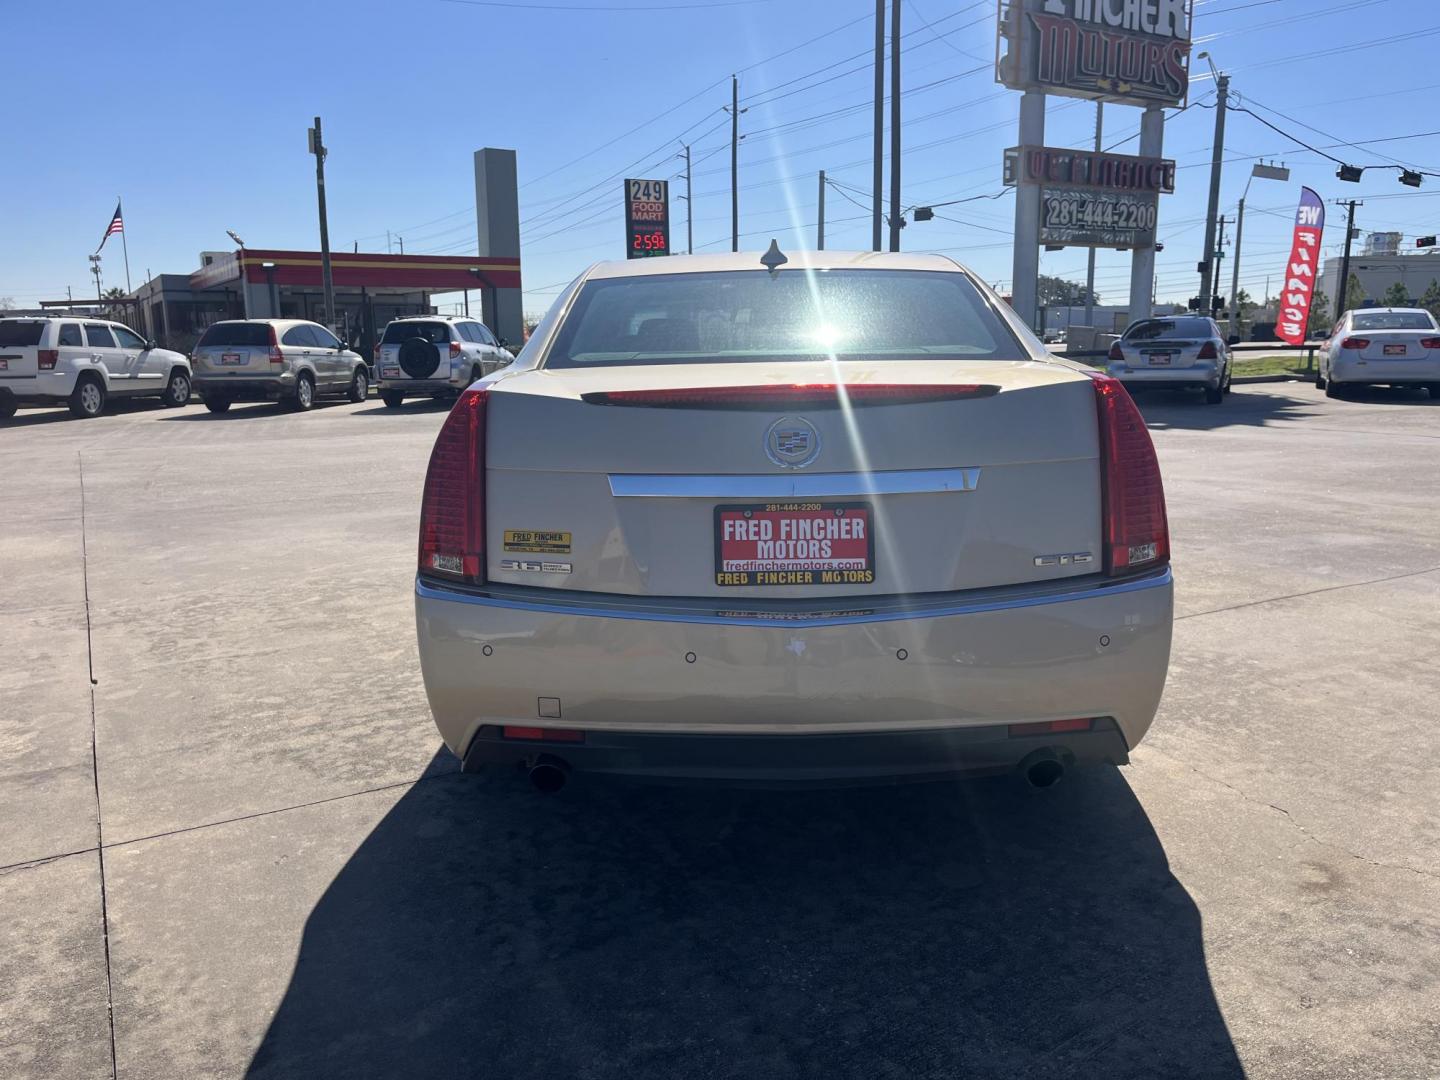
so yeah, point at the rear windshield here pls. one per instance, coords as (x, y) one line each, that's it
(1391, 320)
(437, 333)
(237, 333)
(1151, 329)
(15, 332)
(730, 316)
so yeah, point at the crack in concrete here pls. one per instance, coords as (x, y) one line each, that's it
(1311, 592)
(31, 864)
(1294, 823)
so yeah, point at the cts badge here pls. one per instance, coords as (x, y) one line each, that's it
(792, 442)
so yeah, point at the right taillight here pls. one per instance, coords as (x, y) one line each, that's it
(1117, 355)
(1136, 529)
(1430, 342)
(1356, 343)
(1207, 352)
(452, 510)
(276, 356)
(454, 349)
(48, 358)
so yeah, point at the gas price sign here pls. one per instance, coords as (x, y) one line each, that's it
(647, 218)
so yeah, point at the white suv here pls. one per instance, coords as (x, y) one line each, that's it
(435, 355)
(64, 360)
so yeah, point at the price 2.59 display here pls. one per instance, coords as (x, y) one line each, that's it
(656, 243)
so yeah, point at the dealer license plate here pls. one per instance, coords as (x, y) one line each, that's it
(1159, 359)
(795, 543)
(1394, 350)
(231, 358)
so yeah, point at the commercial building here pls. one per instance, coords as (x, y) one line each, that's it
(370, 290)
(1377, 273)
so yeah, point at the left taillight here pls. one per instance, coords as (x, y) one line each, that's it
(48, 358)
(452, 509)
(1136, 528)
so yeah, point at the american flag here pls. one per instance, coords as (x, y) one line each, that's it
(117, 224)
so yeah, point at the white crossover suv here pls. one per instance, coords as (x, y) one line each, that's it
(830, 516)
(434, 356)
(82, 363)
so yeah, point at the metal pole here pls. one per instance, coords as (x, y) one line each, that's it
(734, 163)
(879, 164)
(1217, 150)
(1232, 326)
(1219, 258)
(820, 219)
(1090, 263)
(467, 302)
(689, 208)
(327, 277)
(1024, 283)
(1343, 285)
(895, 221)
(124, 244)
(1142, 259)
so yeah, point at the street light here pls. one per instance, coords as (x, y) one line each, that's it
(1264, 172)
(231, 233)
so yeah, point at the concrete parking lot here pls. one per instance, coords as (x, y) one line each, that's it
(233, 846)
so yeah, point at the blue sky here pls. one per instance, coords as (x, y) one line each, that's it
(201, 112)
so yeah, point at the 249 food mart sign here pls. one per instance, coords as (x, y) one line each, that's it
(1133, 52)
(1092, 199)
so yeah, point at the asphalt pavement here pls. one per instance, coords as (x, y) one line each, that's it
(233, 845)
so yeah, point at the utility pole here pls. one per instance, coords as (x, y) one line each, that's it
(1217, 150)
(689, 208)
(1090, 263)
(820, 220)
(1343, 286)
(879, 166)
(895, 222)
(317, 147)
(1232, 325)
(734, 163)
(1219, 257)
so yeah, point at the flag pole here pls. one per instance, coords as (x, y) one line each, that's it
(124, 247)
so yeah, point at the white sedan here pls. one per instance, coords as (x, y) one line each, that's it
(839, 516)
(1372, 346)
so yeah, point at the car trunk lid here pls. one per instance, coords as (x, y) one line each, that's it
(759, 480)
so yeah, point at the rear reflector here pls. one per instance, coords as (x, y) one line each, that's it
(1052, 727)
(792, 395)
(452, 510)
(542, 734)
(48, 358)
(1136, 529)
(1355, 343)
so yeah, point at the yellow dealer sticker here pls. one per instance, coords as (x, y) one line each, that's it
(541, 543)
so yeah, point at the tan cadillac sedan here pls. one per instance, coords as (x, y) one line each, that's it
(827, 517)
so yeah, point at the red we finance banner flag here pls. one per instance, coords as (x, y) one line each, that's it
(1302, 269)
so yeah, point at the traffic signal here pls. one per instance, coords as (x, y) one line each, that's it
(1425, 241)
(1216, 303)
(1194, 303)
(923, 213)
(1410, 179)
(1350, 173)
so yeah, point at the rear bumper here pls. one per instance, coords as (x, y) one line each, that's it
(1193, 378)
(950, 670)
(759, 759)
(245, 389)
(1392, 372)
(43, 388)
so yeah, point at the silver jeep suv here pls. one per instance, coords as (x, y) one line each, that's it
(435, 356)
(287, 360)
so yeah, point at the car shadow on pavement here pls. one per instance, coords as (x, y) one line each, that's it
(249, 410)
(419, 405)
(941, 930)
(1186, 410)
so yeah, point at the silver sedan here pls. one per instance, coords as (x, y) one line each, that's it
(1177, 352)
